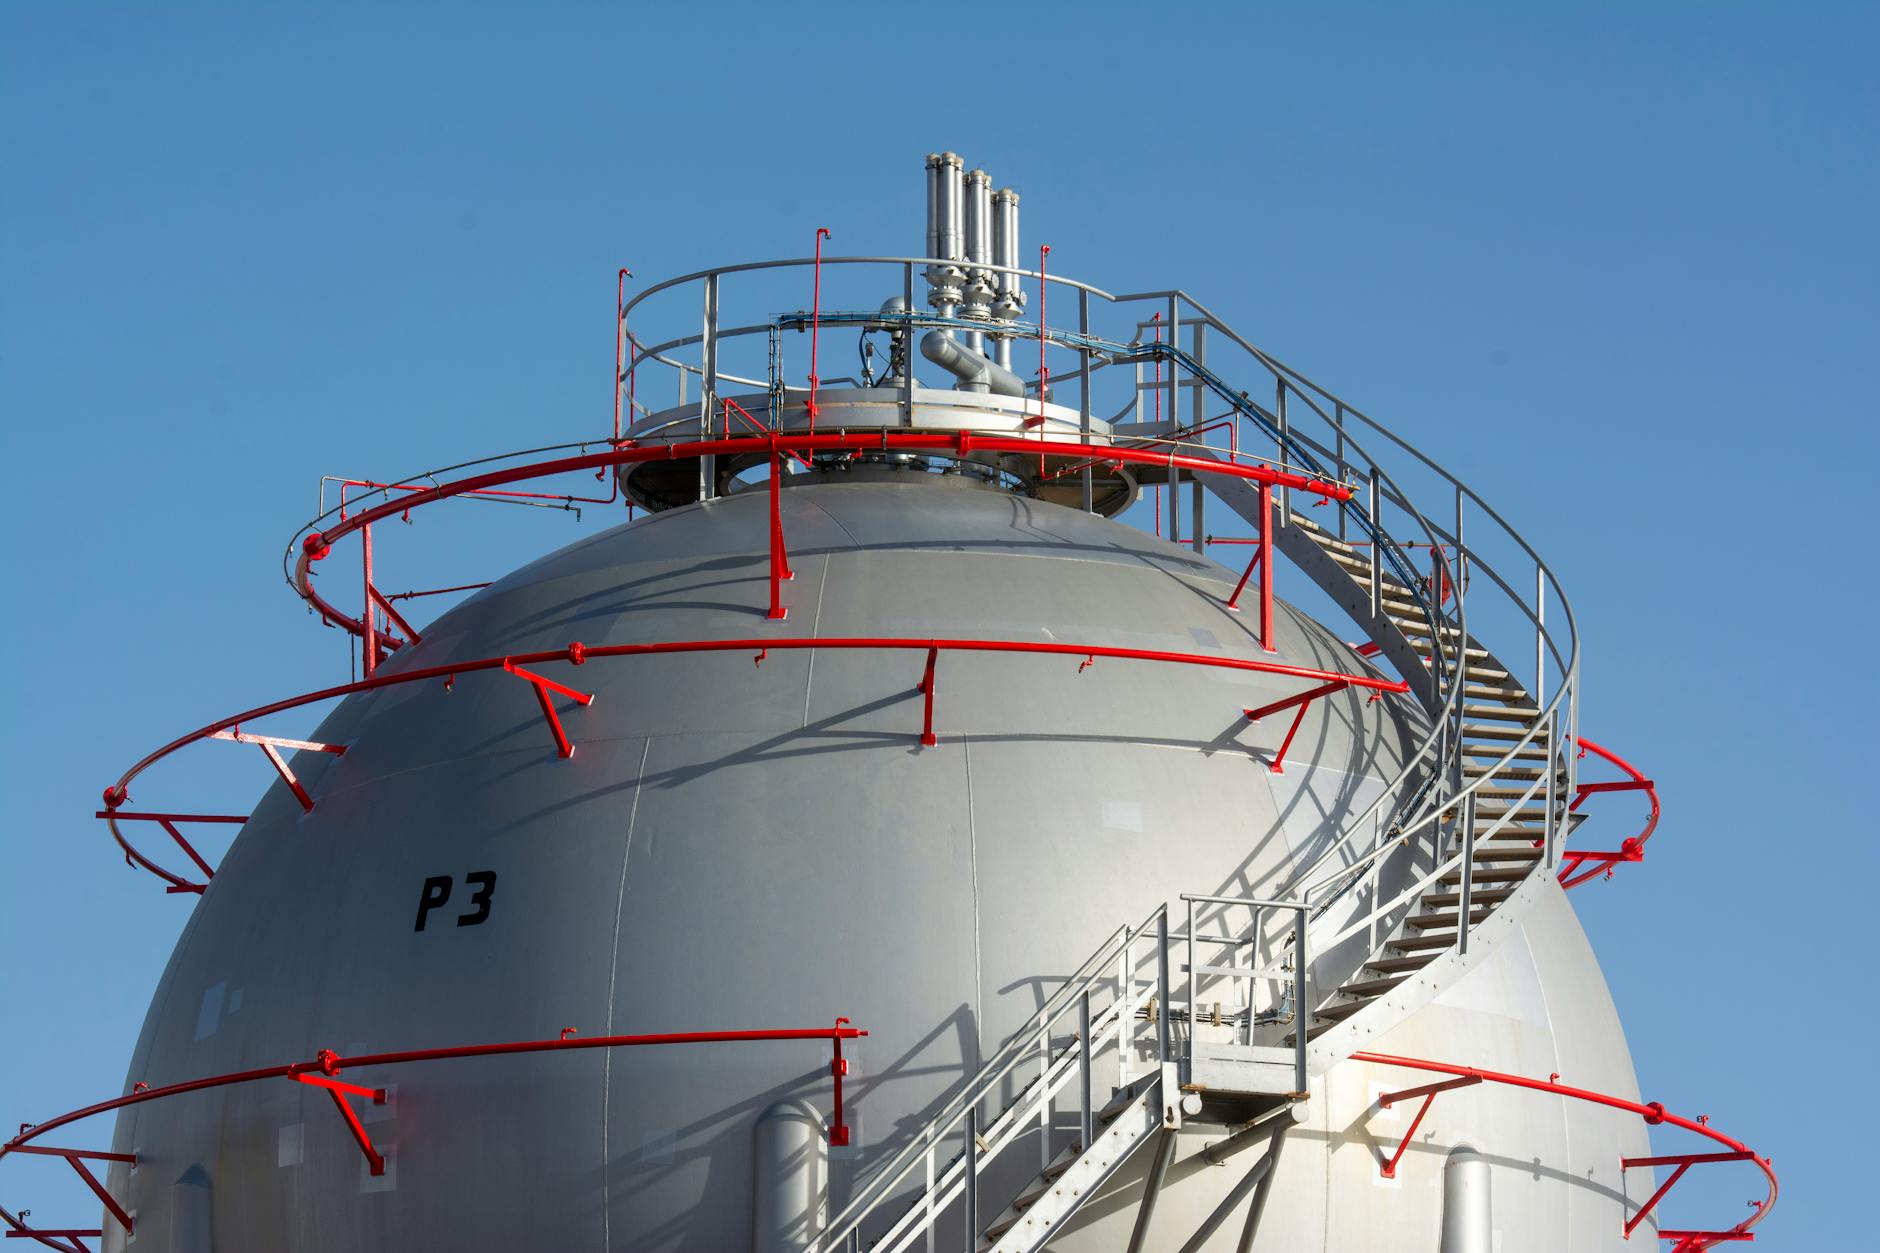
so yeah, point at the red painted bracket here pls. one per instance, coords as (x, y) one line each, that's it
(339, 1092)
(45, 1235)
(780, 571)
(927, 737)
(398, 619)
(838, 1067)
(1428, 1092)
(168, 823)
(271, 746)
(1302, 701)
(77, 1158)
(543, 686)
(1683, 1162)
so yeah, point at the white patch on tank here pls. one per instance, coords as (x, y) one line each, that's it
(1204, 637)
(290, 1145)
(387, 1182)
(1507, 985)
(209, 1015)
(1122, 815)
(234, 1002)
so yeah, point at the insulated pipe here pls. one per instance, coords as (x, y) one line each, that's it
(974, 372)
(1010, 300)
(791, 1196)
(1468, 1213)
(946, 193)
(979, 282)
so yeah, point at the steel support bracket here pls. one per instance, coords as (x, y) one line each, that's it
(339, 1091)
(543, 686)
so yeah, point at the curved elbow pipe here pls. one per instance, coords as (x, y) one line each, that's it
(972, 369)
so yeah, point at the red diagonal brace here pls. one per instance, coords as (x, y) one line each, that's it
(1233, 602)
(1683, 1162)
(271, 746)
(1428, 1092)
(76, 1159)
(1302, 701)
(339, 1092)
(543, 686)
(72, 1234)
(926, 689)
(397, 618)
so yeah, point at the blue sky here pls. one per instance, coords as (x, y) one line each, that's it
(1604, 261)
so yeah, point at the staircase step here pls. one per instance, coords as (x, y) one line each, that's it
(1492, 691)
(1373, 987)
(1491, 791)
(1414, 943)
(1481, 731)
(1525, 714)
(1452, 900)
(1339, 1010)
(1536, 751)
(1474, 769)
(1405, 965)
(1416, 626)
(1444, 920)
(1509, 853)
(1487, 874)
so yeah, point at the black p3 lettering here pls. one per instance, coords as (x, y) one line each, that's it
(486, 879)
(436, 893)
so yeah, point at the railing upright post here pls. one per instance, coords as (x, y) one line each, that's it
(1083, 389)
(1089, 1115)
(969, 1185)
(1302, 1005)
(1044, 1101)
(708, 386)
(1377, 549)
(1198, 494)
(368, 614)
(1279, 414)
(1161, 985)
(1194, 978)
(907, 345)
(1540, 635)
(1468, 873)
(1338, 426)
(1125, 1016)
(1174, 417)
(1550, 828)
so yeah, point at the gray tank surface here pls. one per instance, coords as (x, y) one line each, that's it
(739, 845)
(732, 846)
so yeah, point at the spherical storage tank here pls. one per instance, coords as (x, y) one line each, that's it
(876, 723)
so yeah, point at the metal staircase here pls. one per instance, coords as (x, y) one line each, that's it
(1483, 807)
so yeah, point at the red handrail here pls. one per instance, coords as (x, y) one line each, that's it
(1654, 1113)
(1576, 867)
(316, 544)
(327, 1064)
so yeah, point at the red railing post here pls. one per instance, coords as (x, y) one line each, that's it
(371, 649)
(927, 738)
(779, 557)
(838, 1068)
(1265, 556)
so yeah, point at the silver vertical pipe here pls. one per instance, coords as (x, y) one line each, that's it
(978, 254)
(907, 346)
(1338, 424)
(1279, 412)
(1010, 300)
(1550, 829)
